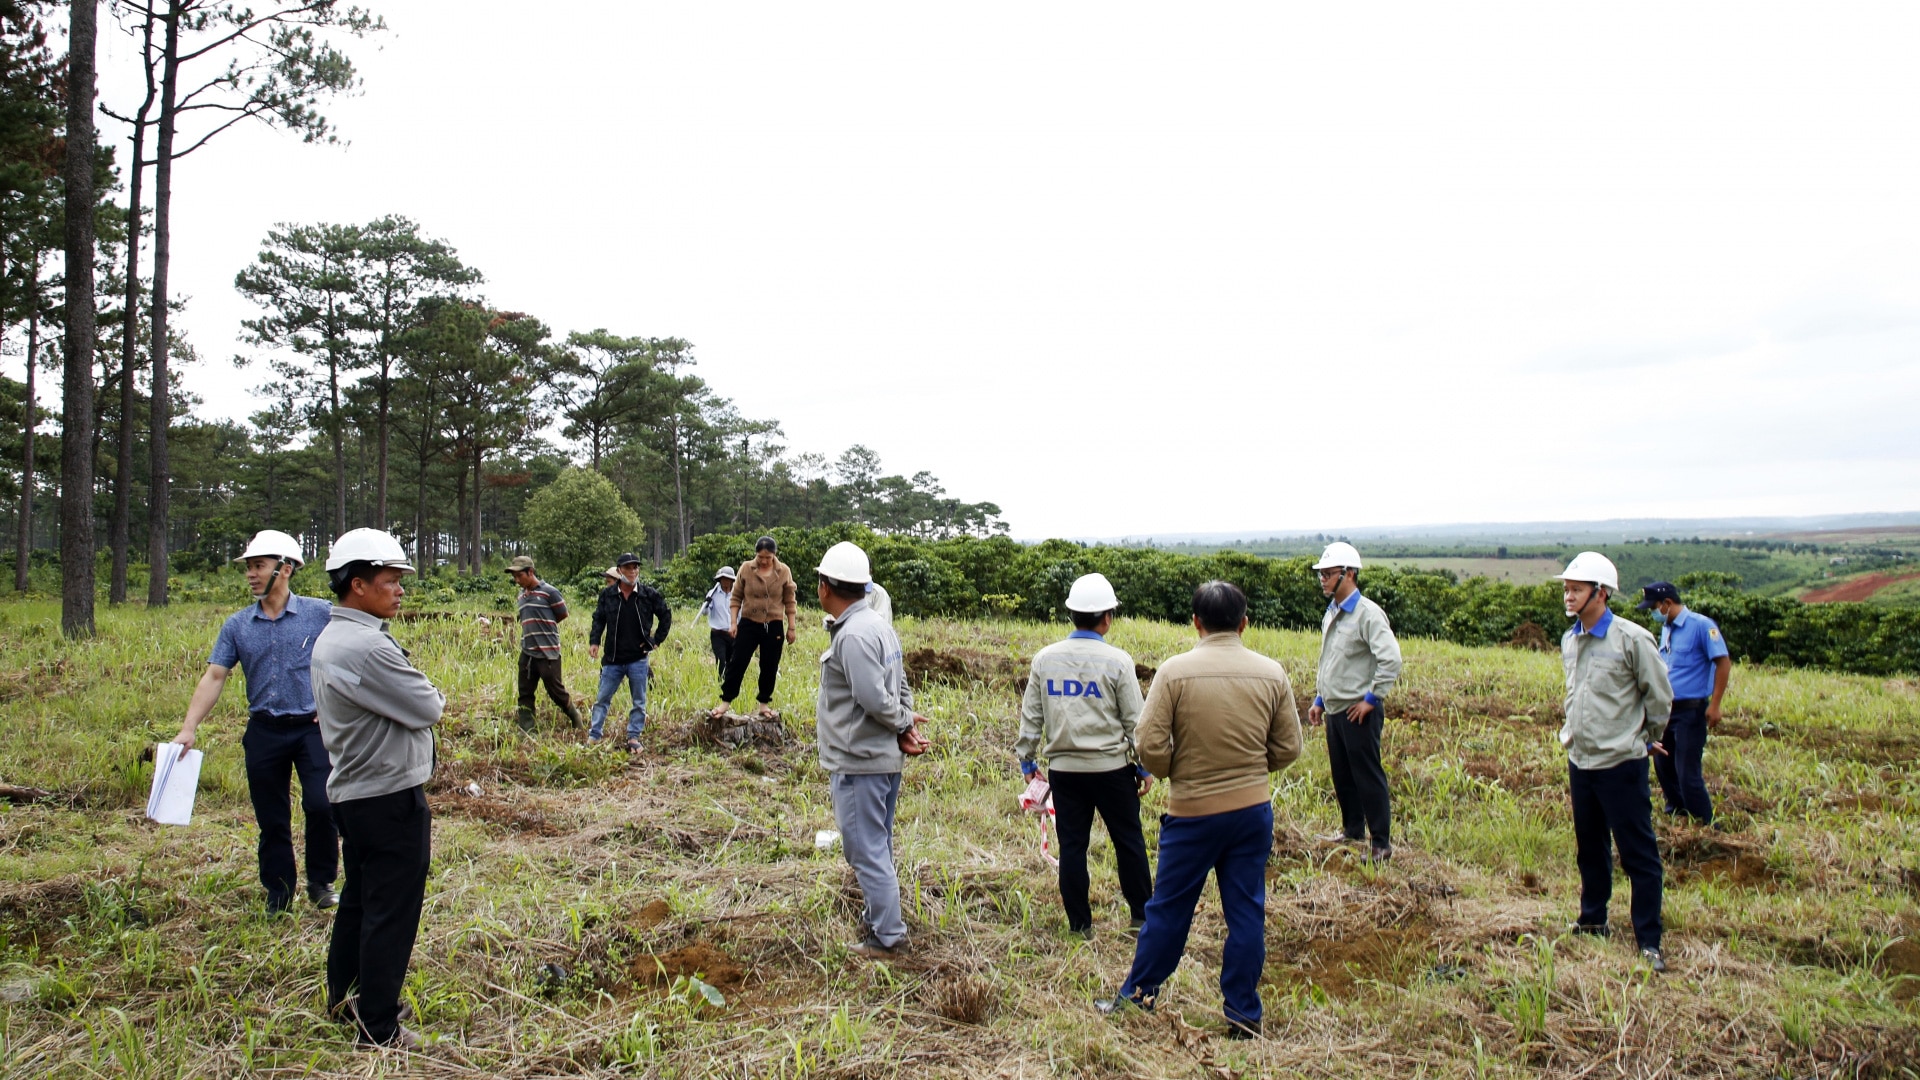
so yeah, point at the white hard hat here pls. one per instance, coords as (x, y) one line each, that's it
(1338, 553)
(725, 571)
(272, 542)
(367, 545)
(1594, 567)
(845, 561)
(1092, 593)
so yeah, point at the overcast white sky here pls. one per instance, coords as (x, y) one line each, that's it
(1130, 268)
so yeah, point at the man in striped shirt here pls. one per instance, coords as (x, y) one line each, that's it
(542, 610)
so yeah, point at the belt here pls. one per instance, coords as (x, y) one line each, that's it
(280, 719)
(1690, 703)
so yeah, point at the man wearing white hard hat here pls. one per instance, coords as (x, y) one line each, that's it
(1359, 663)
(865, 729)
(1079, 712)
(1618, 700)
(377, 713)
(271, 641)
(719, 619)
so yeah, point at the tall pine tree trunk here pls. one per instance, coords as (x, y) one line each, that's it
(479, 456)
(120, 533)
(76, 438)
(22, 554)
(160, 493)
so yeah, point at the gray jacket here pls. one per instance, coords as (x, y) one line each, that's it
(377, 711)
(1359, 655)
(865, 704)
(1618, 695)
(1081, 705)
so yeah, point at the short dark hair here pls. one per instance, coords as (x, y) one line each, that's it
(766, 543)
(845, 590)
(341, 580)
(1219, 605)
(1087, 620)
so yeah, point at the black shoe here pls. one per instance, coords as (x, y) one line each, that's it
(869, 948)
(1120, 1005)
(279, 905)
(1136, 924)
(1240, 1030)
(1599, 930)
(1655, 958)
(323, 896)
(1380, 853)
(1086, 932)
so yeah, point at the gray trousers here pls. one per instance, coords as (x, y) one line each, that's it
(863, 805)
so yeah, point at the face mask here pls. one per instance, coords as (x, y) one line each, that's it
(1659, 617)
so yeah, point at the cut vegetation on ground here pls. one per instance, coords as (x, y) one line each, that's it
(671, 915)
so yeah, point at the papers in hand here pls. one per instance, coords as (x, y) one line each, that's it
(176, 776)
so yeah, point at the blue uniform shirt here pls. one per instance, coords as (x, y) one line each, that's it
(1690, 643)
(275, 654)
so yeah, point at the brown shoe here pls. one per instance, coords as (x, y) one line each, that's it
(869, 948)
(403, 1040)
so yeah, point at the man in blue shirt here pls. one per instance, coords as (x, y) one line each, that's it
(1698, 665)
(272, 641)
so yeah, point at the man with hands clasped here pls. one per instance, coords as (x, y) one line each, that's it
(865, 728)
(1080, 708)
(272, 642)
(1359, 663)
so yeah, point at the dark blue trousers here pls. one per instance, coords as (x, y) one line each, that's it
(1235, 847)
(1682, 780)
(1613, 807)
(276, 748)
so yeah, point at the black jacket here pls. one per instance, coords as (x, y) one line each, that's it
(644, 605)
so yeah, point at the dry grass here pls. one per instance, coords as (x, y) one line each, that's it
(581, 901)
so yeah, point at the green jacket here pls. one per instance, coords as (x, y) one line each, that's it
(1359, 656)
(1618, 696)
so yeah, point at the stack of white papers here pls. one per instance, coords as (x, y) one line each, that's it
(176, 777)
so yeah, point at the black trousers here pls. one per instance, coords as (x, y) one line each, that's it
(722, 648)
(538, 670)
(1613, 808)
(1359, 780)
(389, 845)
(769, 638)
(1682, 779)
(275, 749)
(1115, 795)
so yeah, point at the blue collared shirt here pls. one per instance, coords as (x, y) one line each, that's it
(1600, 626)
(1690, 644)
(1086, 635)
(276, 655)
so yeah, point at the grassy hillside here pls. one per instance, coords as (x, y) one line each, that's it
(576, 893)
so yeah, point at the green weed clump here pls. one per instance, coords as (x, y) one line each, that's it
(669, 914)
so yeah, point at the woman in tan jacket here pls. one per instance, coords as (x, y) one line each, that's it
(763, 611)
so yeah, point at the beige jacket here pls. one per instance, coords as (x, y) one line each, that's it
(764, 598)
(1218, 720)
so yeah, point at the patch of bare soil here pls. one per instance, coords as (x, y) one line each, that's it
(1858, 589)
(1901, 960)
(962, 667)
(1693, 852)
(1529, 636)
(34, 680)
(699, 960)
(1515, 776)
(496, 811)
(1341, 967)
(37, 910)
(652, 914)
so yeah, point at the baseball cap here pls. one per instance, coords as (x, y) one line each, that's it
(1656, 592)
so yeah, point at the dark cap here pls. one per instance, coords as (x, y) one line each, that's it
(627, 559)
(519, 563)
(1656, 592)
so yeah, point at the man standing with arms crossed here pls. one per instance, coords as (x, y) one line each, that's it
(1080, 708)
(625, 615)
(272, 642)
(865, 728)
(1698, 666)
(1359, 662)
(1618, 698)
(1218, 721)
(542, 610)
(377, 713)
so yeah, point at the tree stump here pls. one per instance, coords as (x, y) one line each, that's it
(731, 731)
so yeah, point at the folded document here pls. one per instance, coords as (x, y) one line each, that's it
(176, 776)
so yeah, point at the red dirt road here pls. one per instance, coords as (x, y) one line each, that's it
(1857, 589)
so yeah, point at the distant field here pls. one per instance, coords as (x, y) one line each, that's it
(1864, 587)
(1517, 571)
(1899, 536)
